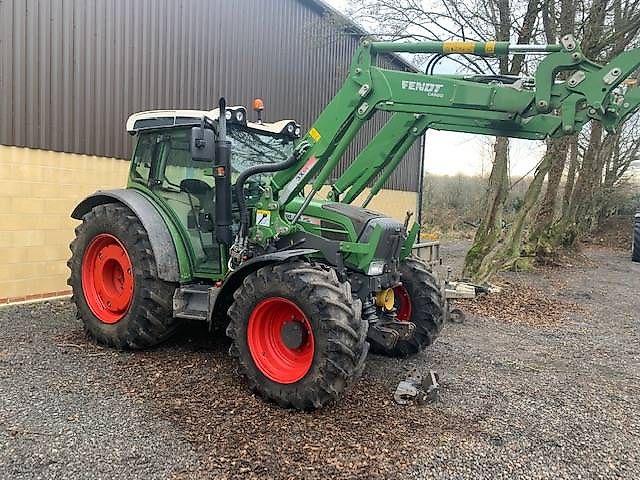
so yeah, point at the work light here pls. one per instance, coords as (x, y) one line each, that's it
(376, 268)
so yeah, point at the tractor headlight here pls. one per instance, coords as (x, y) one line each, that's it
(376, 268)
(239, 116)
(290, 128)
(297, 132)
(227, 114)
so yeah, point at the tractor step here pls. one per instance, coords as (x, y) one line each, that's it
(194, 301)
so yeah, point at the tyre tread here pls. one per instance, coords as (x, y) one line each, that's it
(341, 361)
(427, 299)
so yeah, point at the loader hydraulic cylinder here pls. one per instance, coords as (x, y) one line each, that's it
(484, 49)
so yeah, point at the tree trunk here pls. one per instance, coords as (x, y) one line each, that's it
(507, 254)
(571, 178)
(490, 227)
(557, 152)
(588, 181)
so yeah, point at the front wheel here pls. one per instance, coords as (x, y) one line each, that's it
(297, 334)
(417, 300)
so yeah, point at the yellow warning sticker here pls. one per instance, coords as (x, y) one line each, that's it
(458, 47)
(490, 48)
(263, 218)
(315, 134)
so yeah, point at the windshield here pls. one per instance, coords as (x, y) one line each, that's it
(250, 148)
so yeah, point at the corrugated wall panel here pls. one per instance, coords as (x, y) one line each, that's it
(73, 70)
(6, 69)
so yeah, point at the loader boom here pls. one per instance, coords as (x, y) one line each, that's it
(522, 108)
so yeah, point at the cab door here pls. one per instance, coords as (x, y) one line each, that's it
(186, 190)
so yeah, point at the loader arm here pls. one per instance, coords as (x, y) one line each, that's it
(383, 154)
(525, 108)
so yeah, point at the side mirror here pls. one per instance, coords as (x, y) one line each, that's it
(202, 144)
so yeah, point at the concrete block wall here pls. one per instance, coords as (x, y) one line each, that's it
(38, 191)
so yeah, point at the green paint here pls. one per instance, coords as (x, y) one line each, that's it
(412, 236)
(456, 103)
(180, 240)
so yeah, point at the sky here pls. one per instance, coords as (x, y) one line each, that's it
(451, 153)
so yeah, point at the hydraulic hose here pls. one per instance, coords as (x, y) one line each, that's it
(242, 178)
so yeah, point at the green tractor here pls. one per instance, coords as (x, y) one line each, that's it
(221, 220)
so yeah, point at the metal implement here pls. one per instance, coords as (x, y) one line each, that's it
(460, 290)
(456, 103)
(418, 389)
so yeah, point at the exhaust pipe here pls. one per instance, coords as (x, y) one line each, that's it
(222, 176)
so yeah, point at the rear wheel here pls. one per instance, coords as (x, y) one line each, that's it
(417, 300)
(635, 250)
(297, 334)
(118, 295)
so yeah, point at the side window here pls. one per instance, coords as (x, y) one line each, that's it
(187, 187)
(178, 165)
(142, 157)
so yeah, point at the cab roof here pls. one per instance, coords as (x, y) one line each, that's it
(170, 118)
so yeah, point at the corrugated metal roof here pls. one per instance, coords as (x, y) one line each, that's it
(72, 71)
(326, 8)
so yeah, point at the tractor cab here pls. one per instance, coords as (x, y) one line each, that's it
(163, 166)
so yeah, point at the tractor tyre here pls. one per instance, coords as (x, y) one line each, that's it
(297, 334)
(417, 300)
(119, 297)
(635, 248)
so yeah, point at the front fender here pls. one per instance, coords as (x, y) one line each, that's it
(224, 299)
(162, 244)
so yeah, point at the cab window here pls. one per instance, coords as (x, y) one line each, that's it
(187, 187)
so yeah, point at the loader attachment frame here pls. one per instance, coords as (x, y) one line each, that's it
(527, 108)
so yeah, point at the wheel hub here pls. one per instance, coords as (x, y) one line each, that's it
(293, 334)
(402, 303)
(280, 340)
(107, 278)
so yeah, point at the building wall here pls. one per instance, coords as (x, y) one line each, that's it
(76, 69)
(71, 71)
(38, 191)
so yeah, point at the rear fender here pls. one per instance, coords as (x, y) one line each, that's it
(162, 243)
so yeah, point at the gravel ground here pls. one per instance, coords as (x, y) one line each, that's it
(518, 400)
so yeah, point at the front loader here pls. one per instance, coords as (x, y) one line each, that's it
(221, 220)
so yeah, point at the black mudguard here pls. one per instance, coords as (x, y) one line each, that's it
(224, 299)
(161, 242)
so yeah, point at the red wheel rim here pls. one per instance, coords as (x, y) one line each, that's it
(107, 278)
(402, 303)
(274, 358)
